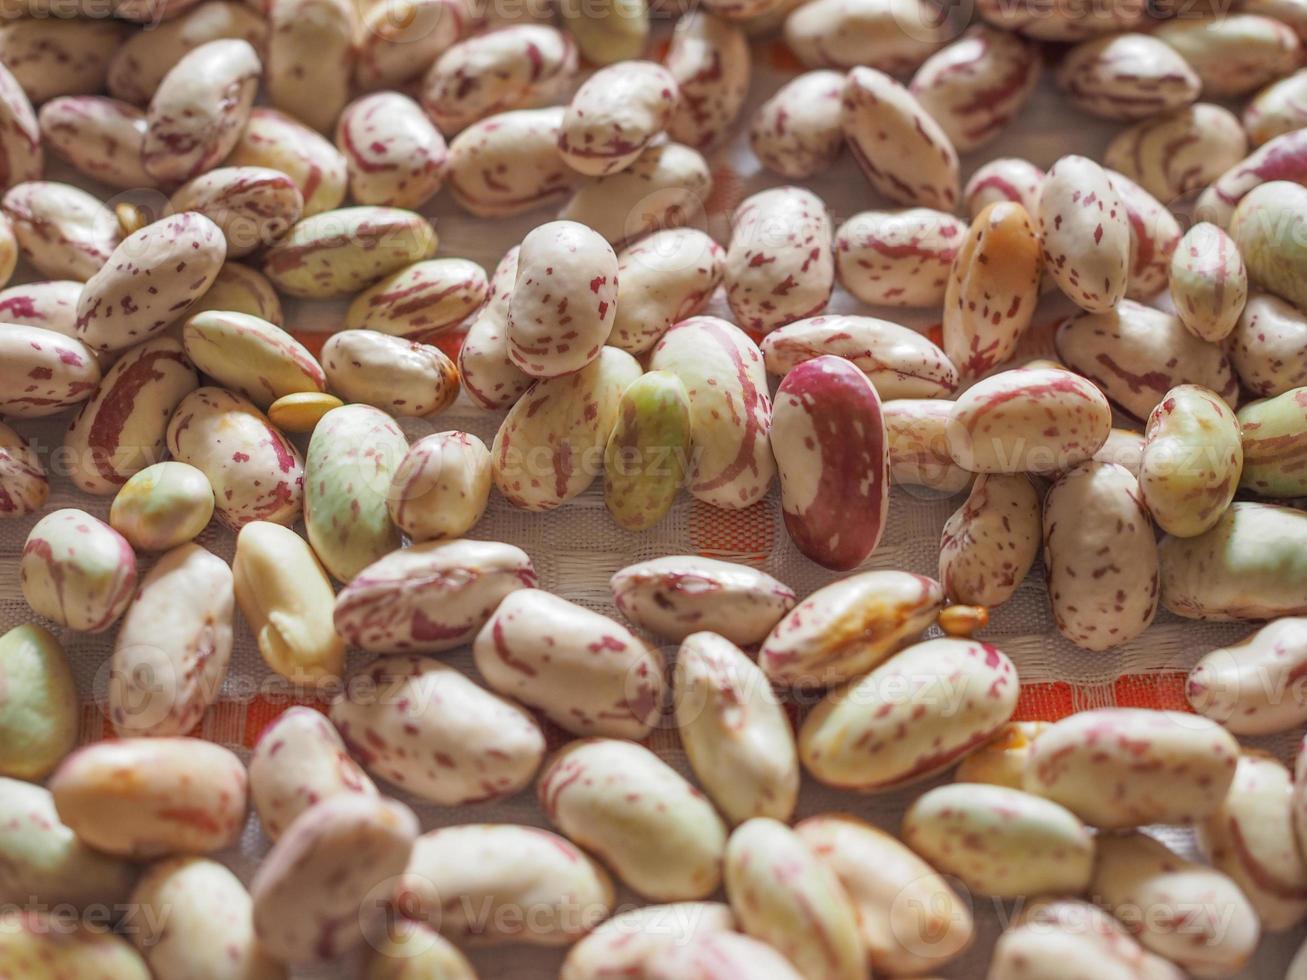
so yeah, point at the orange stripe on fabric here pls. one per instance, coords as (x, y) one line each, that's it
(1161, 690)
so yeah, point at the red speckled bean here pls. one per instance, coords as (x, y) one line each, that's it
(489, 376)
(421, 300)
(1209, 284)
(989, 544)
(1154, 235)
(51, 305)
(661, 280)
(1004, 179)
(1062, 20)
(509, 163)
(709, 58)
(615, 114)
(1268, 346)
(311, 58)
(52, 56)
(402, 377)
(898, 258)
(20, 134)
(1127, 76)
(62, 230)
(796, 133)
(1252, 687)
(43, 372)
(917, 433)
(251, 356)
(397, 40)
(1086, 234)
(24, 487)
(1277, 109)
(892, 37)
(1235, 54)
(77, 571)
(254, 206)
(103, 138)
(395, 156)
(642, 940)
(1179, 151)
(275, 140)
(441, 487)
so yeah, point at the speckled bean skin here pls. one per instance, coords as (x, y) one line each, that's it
(703, 957)
(408, 949)
(311, 58)
(1004, 179)
(898, 258)
(1277, 109)
(509, 163)
(320, 890)
(100, 137)
(54, 56)
(64, 232)
(796, 133)
(1252, 687)
(489, 376)
(1274, 438)
(24, 487)
(916, 432)
(1282, 158)
(1235, 54)
(1248, 566)
(1179, 151)
(902, 151)
(782, 894)
(141, 798)
(665, 188)
(396, 157)
(298, 761)
(990, 543)
(77, 571)
(1086, 233)
(1138, 872)
(734, 730)
(421, 300)
(426, 727)
(256, 474)
(640, 940)
(677, 595)
(21, 156)
(162, 506)
(548, 447)
(352, 458)
(1154, 235)
(893, 38)
(51, 305)
(1028, 420)
(338, 252)
(615, 114)
(709, 59)
(197, 113)
(978, 84)
(564, 299)
(587, 673)
(278, 141)
(254, 206)
(208, 931)
(663, 279)
(396, 41)
(251, 356)
(848, 627)
(441, 487)
(647, 453)
(43, 372)
(237, 289)
(1269, 227)
(1002, 760)
(1209, 283)
(828, 438)
(1136, 354)
(1127, 76)
(730, 409)
(40, 711)
(504, 872)
(172, 650)
(401, 377)
(47, 946)
(514, 67)
(958, 694)
(1063, 20)
(1162, 766)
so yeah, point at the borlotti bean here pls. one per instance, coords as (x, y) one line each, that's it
(509, 163)
(549, 446)
(1248, 566)
(1290, 12)
(1135, 354)
(396, 157)
(64, 232)
(423, 299)
(77, 571)
(46, 945)
(1154, 236)
(298, 761)
(237, 289)
(637, 940)
(705, 956)
(665, 188)
(615, 114)
(892, 37)
(1061, 20)
(490, 377)
(515, 884)
(910, 919)
(43, 372)
(796, 133)
(428, 728)
(514, 67)
(978, 84)
(734, 730)
(661, 280)
(564, 299)
(311, 58)
(828, 438)
(286, 598)
(150, 281)
(173, 647)
(783, 895)
(1269, 227)
(1236, 54)
(899, 147)
(140, 798)
(250, 355)
(1004, 179)
(989, 544)
(101, 137)
(398, 40)
(162, 506)
(21, 156)
(848, 627)
(39, 716)
(406, 946)
(338, 252)
(1127, 76)
(254, 206)
(607, 32)
(322, 888)
(916, 432)
(51, 305)
(677, 595)
(1176, 152)
(197, 114)
(1252, 687)
(441, 487)
(709, 58)
(255, 472)
(898, 258)
(1002, 760)
(45, 862)
(1188, 763)
(54, 56)
(1277, 109)
(352, 458)
(587, 673)
(1209, 283)
(1086, 234)
(24, 487)
(647, 453)
(1274, 432)
(431, 597)
(401, 377)
(1193, 915)
(1056, 938)
(281, 142)
(913, 716)
(897, 360)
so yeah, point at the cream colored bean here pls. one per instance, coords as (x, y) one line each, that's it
(24, 487)
(989, 544)
(1235, 54)
(490, 378)
(1269, 227)
(251, 356)
(509, 163)
(1279, 108)
(20, 145)
(796, 133)
(1001, 761)
(442, 486)
(77, 571)
(54, 56)
(894, 38)
(916, 431)
(397, 40)
(704, 956)
(1179, 151)
(40, 712)
(402, 377)
(710, 60)
(663, 279)
(1251, 686)
(103, 138)
(280, 142)
(63, 231)
(311, 58)
(43, 372)
(407, 946)
(615, 114)
(254, 206)
(1154, 236)
(51, 305)
(162, 506)
(240, 289)
(57, 948)
(1209, 284)
(1086, 233)
(396, 156)
(421, 300)
(1004, 179)
(639, 940)
(1127, 76)
(898, 258)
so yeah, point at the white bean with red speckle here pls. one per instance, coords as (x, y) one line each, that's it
(705, 957)
(43, 372)
(20, 133)
(898, 258)
(101, 137)
(916, 430)
(1004, 179)
(77, 571)
(886, 35)
(1236, 54)
(488, 374)
(63, 231)
(280, 142)
(51, 304)
(24, 487)
(662, 280)
(1209, 283)
(1127, 76)
(398, 40)
(1176, 152)
(796, 133)
(441, 487)
(58, 53)
(710, 60)
(509, 163)
(1268, 345)
(1277, 109)
(402, 377)
(615, 114)
(310, 58)
(640, 940)
(989, 544)
(421, 300)
(1154, 235)
(254, 206)
(396, 157)
(1063, 21)
(1086, 233)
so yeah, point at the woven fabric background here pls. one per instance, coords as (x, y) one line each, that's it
(577, 548)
